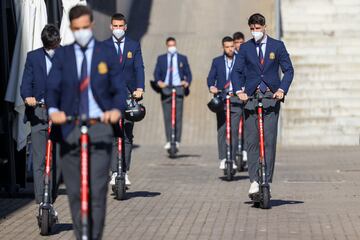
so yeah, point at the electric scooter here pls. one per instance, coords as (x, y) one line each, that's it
(262, 198)
(240, 148)
(46, 217)
(85, 210)
(229, 172)
(120, 187)
(173, 148)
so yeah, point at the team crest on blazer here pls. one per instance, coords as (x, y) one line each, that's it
(181, 64)
(129, 55)
(102, 68)
(272, 56)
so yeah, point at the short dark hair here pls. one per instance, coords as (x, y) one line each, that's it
(257, 18)
(118, 16)
(50, 36)
(79, 11)
(227, 39)
(238, 35)
(170, 39)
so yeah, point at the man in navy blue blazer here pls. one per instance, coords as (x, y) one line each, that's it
(239, 38)
(86, 81)
(37, 66)
(262, 57)
(219, 80)
(172, 70)
(132, 68)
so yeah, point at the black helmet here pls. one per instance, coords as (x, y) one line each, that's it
(216, 104)
(135, 111)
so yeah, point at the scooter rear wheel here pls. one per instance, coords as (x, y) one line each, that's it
(120, 189)
(45, 222)
(265, 201)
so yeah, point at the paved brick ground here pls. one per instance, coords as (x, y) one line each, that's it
(315, 196)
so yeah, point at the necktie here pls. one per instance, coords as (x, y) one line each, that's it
(262, 86)
(84, 85)
(119, 51)
(171, 70)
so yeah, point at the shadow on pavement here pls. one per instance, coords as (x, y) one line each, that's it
(235, 178)
(142, 194)
(10, 205)
(61, 227)
(186, 156)
(279, 202)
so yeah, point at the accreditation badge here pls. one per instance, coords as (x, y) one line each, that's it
(272, 56)
(181, 64)
(129, 55)
(102, 68)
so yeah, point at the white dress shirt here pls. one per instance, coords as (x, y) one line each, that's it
(176, 81)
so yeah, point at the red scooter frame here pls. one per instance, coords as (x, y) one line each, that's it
(229, 171)
(46, 217)
(84, 175)
(173, 149)
(120, 188)
(239, 153)
(84, 184)
(262, 198)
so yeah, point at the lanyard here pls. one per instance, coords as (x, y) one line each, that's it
(229, 66)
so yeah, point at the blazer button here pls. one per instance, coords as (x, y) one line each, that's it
(262, 76)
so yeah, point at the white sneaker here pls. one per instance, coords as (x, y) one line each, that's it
(244, 153)
(127, 181)
(222, 164)
(234, 165)
(167, 146)
(254, 188)
(113, 177)
(55, 212)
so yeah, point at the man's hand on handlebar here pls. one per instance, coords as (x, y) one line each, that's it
(185, 84)
(30, 101)
(162, 84)
(213, 90)
(138, 93)
(58, 117)
(243, 96)
(111, 117)
(279, 94)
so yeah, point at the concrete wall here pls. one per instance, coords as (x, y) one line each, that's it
(323, 106)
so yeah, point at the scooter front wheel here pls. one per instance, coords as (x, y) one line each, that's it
(45, 224)
(265, 200)
(172, 152)
(240, 162)
(229, 172)
(120, 189)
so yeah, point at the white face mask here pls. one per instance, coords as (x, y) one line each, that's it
(118, 33)
(50, 52)
(257, 35)
(83, 36)
(172, 50)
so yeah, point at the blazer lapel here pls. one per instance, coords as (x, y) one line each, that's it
(72, 61)
(42, 60)
(255, 55)
(94, 62)
(223, 69)
(125, 52)
(268, 50)
(165, 64)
